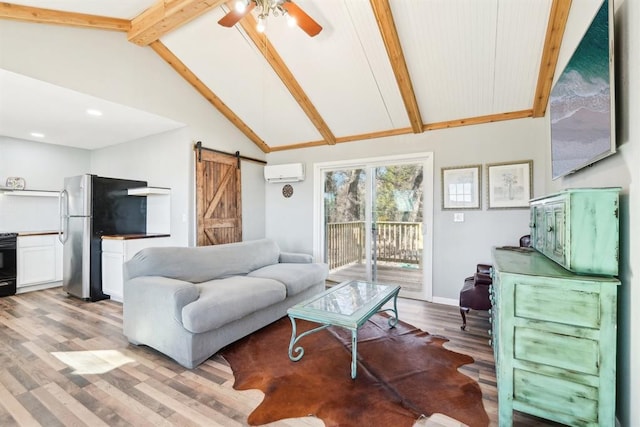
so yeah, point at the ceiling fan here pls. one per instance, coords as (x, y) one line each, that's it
(287, 8)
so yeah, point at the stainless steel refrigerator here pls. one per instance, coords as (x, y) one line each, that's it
(90, 207)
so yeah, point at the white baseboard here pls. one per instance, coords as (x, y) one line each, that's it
(29, 288)
(445, 301)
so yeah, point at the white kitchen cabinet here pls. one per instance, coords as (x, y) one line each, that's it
(115, 252)
(59, 258)
(39, 260)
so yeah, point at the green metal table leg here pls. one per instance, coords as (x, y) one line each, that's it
(299, 350)
(393, 320)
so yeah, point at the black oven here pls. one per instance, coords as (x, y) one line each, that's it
(8, 265)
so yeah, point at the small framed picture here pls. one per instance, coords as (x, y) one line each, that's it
(510, 184)
(461, 187)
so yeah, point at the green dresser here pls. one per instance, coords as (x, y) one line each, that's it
(554, 330)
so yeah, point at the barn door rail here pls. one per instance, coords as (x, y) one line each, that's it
(198, 147)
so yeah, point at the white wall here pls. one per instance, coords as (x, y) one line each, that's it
(44, 167)
(458, 247)
(163, 161)
(253, 201)
(623, 170)
(168, 160)
(106, 65)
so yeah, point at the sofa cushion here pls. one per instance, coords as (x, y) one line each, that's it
(202, 263)
(296, 277)
(225, 300)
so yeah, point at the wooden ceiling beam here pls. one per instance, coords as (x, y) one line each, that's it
(190, 77)
(490, 118)
(555, 31)
(265, 47)
(478, 120)
(387, 26)
(165, 16)
(56, 17)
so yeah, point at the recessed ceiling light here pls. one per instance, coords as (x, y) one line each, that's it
(94, 112)
(37, 134)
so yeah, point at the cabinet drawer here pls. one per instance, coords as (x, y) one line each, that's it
(568, 304)
(37, 240)
(567, 402)
(116, 246)
(558, 350)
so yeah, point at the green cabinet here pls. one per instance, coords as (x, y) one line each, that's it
(578, 229)
(554, 330)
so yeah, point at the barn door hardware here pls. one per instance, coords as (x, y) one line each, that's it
(198, 147)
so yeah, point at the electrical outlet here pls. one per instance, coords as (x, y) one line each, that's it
(458, 217)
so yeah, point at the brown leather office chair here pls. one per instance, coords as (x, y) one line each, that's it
(525, 241)
(475, 292)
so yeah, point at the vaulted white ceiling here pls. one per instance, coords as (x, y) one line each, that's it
(378, 67)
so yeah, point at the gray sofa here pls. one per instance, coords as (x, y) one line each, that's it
(189, 302)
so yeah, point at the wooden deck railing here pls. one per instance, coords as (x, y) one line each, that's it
(396, 242)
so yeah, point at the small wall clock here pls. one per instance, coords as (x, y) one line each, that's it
(287, 190)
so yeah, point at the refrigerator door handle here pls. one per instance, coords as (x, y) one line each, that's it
(63, 206)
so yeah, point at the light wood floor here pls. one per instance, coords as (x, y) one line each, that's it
(65, 362)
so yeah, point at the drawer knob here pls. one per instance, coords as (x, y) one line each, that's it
(549, 228)
(489, 332)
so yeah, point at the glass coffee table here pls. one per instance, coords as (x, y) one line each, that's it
(348, 305)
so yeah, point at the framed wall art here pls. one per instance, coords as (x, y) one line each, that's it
(510, 184)
(461, 187)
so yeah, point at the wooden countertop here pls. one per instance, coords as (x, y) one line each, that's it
(36, 233)
(133, 236)
(106, 237)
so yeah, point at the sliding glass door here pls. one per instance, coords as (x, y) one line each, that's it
(345, 224)
(373, 224)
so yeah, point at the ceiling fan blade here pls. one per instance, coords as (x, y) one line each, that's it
(304, 21)
(232, 18)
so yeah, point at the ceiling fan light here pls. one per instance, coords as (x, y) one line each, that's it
(262, 24)
(291, 21)
(241, 6)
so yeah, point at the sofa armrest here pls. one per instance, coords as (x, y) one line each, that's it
(150, 296)
(293, 257)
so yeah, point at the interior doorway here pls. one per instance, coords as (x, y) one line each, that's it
(374, 221)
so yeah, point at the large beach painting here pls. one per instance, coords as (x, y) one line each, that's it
(582, 128)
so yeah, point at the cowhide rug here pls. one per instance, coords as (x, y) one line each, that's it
(403, 373)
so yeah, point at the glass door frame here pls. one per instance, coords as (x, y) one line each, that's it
(426, 159)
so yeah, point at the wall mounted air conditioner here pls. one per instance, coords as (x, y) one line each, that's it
(290, 172)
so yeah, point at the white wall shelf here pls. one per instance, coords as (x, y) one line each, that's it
(148, 191)
(31, 193)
